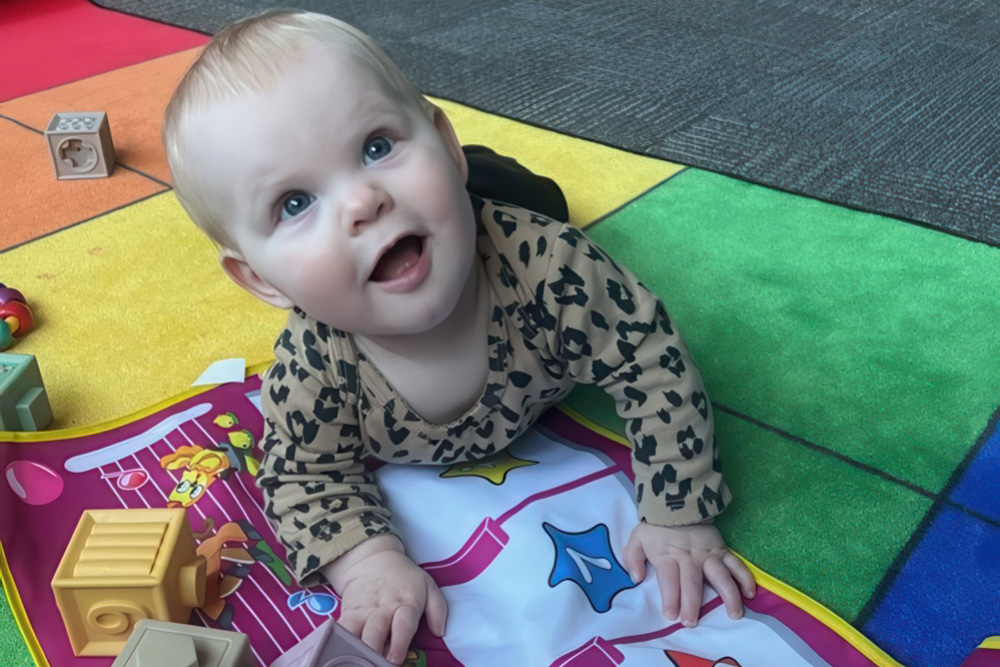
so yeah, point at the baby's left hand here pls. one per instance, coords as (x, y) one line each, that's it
(683, 558)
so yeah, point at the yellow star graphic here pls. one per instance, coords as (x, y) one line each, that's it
(493, 468)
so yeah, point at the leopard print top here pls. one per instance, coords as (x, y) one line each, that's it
(562, 312)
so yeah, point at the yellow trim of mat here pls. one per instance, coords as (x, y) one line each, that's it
(848, 632)
(594, 426)
(18, 611)
(81, 431)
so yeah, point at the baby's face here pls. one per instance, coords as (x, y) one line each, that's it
(340, 199)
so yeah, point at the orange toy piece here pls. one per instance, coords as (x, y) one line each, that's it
(122, 566)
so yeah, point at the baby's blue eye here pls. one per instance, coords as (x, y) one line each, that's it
(294, 203)
(377, 148)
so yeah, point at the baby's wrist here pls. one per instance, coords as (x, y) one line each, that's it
(338, 572)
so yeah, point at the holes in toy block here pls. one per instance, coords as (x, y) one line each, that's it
(78, 155)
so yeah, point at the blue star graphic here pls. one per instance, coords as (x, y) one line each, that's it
(588, 561)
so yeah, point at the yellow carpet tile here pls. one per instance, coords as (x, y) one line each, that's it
(130, 308)
(595, 178)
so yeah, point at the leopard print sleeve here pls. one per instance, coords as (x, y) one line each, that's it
(315, 485)
(612, 331)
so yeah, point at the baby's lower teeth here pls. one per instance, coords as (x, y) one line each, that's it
(403, 269)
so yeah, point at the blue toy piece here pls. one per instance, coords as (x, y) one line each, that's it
(24, 404)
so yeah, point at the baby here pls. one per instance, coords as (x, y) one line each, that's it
(426, 325)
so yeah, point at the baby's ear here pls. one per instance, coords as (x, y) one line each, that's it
(240, 272)
(447, 132)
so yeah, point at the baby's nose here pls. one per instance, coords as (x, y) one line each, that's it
(365, 203)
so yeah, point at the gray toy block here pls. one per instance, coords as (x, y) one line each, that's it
(80, 145)
(24, 404)
(331, 644)
(163, 644)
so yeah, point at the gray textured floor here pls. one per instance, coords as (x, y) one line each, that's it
(890, 106)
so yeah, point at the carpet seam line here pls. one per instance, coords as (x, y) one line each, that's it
(620, 207)
(81, 222)
(916, 537)
(829, 452)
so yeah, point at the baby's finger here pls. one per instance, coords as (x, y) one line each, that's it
(375, 631)
(634, 559)
(742, 574)
(670, 590)
(691, 592)
(437, 610)
(352, 621)
(404, 626)
(722, 581)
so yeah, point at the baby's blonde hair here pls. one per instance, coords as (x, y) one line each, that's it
(247, 57)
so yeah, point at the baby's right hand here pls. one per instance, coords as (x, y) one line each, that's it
(384, 594)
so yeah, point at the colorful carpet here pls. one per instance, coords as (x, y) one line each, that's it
(851, 358)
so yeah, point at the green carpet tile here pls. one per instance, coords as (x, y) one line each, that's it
(817, 523)
(12, 648)
(862, 334)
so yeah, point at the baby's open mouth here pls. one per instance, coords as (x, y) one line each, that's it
(398, 259)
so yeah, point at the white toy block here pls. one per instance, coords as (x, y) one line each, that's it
(80, 145)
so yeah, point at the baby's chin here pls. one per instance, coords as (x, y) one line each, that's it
(420, 317)
(420, 321)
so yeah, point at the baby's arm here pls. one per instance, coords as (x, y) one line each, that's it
(384, 594)
(316, 488)
(327, 507)
(613, 332)
(679, 483)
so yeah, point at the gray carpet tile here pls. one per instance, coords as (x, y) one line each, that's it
(891, 106)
